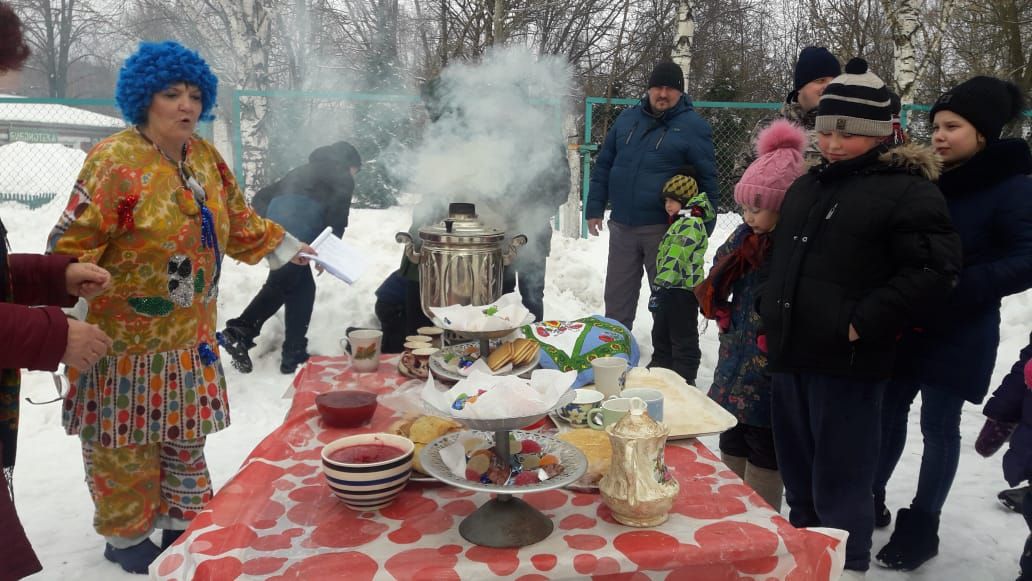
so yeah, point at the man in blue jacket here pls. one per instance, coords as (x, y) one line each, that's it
(644, 148)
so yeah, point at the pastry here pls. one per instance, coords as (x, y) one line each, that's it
(423, 430)
(595, 445)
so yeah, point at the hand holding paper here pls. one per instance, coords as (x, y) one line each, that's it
(337, 257)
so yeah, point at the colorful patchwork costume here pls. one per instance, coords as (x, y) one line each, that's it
(143, 411)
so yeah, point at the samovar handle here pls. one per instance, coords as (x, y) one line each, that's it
(410, 248)
(514, 246)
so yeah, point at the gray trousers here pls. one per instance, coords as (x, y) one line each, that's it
(630, 249)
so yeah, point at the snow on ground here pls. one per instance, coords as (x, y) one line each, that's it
(980, 540)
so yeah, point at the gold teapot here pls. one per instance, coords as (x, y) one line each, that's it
(638, 487)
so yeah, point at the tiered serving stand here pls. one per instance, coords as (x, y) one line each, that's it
(506, 521)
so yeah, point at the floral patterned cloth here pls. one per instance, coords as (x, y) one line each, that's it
(132, 212)
(567, 345)
(740, 382)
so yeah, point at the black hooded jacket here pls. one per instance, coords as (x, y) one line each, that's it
(867, 242)
(325, 181)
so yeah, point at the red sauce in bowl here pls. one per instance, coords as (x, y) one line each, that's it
(346, 408)
(365, 454)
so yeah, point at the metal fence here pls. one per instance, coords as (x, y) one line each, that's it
(732, 124)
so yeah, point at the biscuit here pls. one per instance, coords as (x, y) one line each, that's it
(502, 355)
(525, 351)
(596, 447)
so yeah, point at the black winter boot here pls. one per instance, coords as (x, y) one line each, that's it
(169, 536)
(915, 540)
(294, 354)
(882, 515)
(237, 341)
(1013, 498)
(134, 559)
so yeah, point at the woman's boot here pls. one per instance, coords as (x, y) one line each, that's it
(915, 540)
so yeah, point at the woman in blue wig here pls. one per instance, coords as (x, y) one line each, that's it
(158, 207)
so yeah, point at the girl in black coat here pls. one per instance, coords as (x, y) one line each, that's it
(951, 357)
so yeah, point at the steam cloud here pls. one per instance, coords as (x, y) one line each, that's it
(498, 144)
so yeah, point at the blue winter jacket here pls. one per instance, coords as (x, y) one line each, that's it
(641, 153)
(1012, 403)
(990, 202)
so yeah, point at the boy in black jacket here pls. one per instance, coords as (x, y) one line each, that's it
(307, 200)
(864, 241)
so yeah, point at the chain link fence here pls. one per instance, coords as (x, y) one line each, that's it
(732, 124)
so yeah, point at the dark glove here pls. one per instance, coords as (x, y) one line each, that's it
(993, 435)
(656, 299)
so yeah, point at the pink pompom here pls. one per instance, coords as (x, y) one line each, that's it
(781, 134)
(1028, 374)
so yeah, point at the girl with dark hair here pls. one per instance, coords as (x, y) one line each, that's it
(951, 358)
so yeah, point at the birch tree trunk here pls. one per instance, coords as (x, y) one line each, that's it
(904, 21)
(251, 34)
(682, 53)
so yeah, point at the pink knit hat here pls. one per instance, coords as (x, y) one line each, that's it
(780, 149)
(1028, 374)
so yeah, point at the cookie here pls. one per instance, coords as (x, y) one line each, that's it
(501, 356)
(525, 351)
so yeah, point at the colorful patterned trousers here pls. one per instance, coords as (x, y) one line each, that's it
(136, 489)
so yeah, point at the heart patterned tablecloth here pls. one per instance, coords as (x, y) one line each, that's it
(276, 519)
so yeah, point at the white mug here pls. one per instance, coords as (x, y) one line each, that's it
(364, 352)
(610, 373)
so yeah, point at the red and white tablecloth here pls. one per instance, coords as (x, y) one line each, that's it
(276, 519)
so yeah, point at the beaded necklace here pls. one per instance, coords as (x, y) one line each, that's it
(191, 207)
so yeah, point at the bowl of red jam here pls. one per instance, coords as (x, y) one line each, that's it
(346, 409)
(368, 471)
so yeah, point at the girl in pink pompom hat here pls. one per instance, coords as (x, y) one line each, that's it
(728, 295)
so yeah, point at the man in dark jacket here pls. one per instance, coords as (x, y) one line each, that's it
(307, 200)
(644, 148)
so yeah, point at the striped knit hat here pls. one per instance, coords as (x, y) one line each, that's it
(856, 102)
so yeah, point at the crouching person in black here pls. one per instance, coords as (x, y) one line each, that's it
(306, 201)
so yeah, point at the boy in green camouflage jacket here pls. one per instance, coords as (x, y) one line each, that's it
(680, 265)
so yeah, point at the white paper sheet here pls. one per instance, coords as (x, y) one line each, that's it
(337, 257)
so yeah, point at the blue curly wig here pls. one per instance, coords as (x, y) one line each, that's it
(155, 66)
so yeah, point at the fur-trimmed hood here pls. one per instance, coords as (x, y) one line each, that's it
(914, 158)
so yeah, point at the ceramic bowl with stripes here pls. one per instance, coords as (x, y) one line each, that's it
(368, 486)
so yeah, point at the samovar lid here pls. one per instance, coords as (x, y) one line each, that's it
(461, 227)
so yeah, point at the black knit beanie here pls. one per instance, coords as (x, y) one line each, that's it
(987, 103)
(856, 102)
(815, 62)
(667, 74)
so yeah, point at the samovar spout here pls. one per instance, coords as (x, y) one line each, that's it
(410, 248)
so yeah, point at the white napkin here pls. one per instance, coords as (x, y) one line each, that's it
(505, 313)
(482, 366)
(503, 396)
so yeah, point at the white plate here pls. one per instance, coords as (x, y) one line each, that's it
(449, 370)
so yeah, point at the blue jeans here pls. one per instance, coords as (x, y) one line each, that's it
(940, 426)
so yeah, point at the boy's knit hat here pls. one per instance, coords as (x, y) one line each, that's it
(856, 102)
(780, 149)
(815, 62)
(682, 187)
(987, 103)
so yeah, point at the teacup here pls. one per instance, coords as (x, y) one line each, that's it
(612, 410)
(418, 339)
(653, 399)
(407, 358)
(420, 367)
(610, 373)
(576, 413)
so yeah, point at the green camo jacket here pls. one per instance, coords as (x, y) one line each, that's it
(680, 262)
